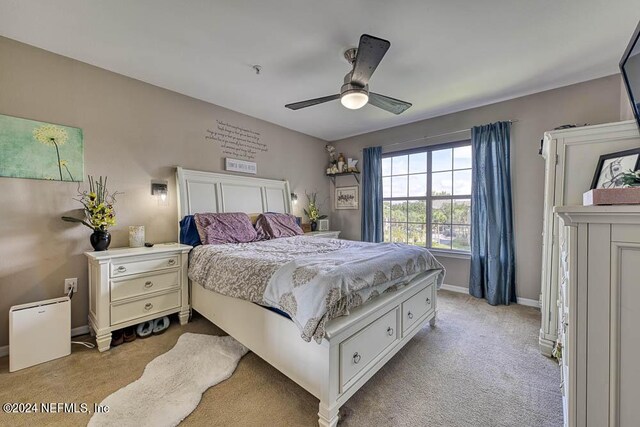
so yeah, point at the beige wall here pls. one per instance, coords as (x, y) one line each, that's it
(133, 132)
(593, 102)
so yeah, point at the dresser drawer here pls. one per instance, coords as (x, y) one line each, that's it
(127, 267)
(414, 308)
(361, 349)
(127, 288)
(125, 311)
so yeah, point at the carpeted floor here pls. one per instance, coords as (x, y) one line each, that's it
(480, 366)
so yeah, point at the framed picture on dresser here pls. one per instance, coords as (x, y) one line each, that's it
(612, 166)
(347, 197)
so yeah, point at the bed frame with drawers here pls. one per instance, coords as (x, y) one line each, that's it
(356, 346)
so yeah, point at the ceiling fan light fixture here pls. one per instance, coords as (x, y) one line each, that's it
(354, 99)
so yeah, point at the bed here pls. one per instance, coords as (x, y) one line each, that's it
(351, 348)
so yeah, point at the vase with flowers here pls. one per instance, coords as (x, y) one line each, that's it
(312, 211)
(98, 210)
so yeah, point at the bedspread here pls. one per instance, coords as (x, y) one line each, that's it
(311, 279)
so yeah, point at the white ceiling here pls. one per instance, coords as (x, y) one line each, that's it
(445, 55)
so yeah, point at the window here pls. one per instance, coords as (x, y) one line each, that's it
(427, 197)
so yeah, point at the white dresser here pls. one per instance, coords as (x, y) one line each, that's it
(128, 286)
(600, 315)
(571, 156)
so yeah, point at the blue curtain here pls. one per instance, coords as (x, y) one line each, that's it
(371, 224)
(492, 251)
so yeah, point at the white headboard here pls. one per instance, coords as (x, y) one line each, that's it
(200, 192)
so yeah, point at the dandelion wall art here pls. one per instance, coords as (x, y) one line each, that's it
(37, 150)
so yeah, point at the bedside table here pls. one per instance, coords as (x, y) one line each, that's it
(324, 234)
(128, 286)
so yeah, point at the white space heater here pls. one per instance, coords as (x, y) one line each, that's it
(39, 332)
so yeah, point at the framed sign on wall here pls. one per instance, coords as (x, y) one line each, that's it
(235, 165)
(347, 197)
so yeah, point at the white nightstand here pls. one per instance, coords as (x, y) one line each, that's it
(128, 286)
(324, 234)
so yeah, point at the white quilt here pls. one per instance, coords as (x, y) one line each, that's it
(311, 279)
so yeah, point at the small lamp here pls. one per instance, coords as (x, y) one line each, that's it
(160, 190)
(294, 198)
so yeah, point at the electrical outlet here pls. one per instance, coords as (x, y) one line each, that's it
(70, 283)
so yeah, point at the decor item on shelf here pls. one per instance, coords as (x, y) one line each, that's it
(312, 211)
(351, 165)
(611, 168)
(136, 236)
(332, 154)
(306, 227)
(631, 178)
(347, 197)
(612, 196)
(628, 195)
(38, 150)
(341, 163)
(98, 211)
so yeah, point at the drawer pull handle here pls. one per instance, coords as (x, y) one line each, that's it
(410, 315)
(390, 331)
(148, 284)
(356, 357)
(148, 306)
(172, 261)
(428, 301)
(121, 269)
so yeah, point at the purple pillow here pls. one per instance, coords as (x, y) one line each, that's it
(275, 225)
(218, 228)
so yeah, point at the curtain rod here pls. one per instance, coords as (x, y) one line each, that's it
(426, 138)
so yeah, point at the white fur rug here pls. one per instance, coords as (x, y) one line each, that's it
(172, 384)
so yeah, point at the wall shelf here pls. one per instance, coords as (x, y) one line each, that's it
(356, 175)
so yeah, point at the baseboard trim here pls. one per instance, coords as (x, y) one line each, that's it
(454, 288)
(80, 330)
(528, 302)
(522, 301)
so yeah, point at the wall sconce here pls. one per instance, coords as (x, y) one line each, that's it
(294, 198)
(160, 190)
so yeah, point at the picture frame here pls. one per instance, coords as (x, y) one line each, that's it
(611, 166)
(347, 197)
(323, 225)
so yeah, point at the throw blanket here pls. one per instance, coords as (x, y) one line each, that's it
(311, 279)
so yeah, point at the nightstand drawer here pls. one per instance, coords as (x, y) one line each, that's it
(127, 288)
(125, 311)
(127, 267)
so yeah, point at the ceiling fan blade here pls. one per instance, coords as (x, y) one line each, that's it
(389, 104)
(311, 102)
(371, 50)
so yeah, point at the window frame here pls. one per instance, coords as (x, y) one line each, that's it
(429, 198)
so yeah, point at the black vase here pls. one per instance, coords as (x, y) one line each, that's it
(314, 226)
(100, 240)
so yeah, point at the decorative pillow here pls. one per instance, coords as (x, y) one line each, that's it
(218, 228)
(189, 231)
(274, 225)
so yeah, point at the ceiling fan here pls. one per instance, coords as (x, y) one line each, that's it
(354, 93)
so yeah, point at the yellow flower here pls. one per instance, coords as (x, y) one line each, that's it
(50, 135)
(63, 163)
